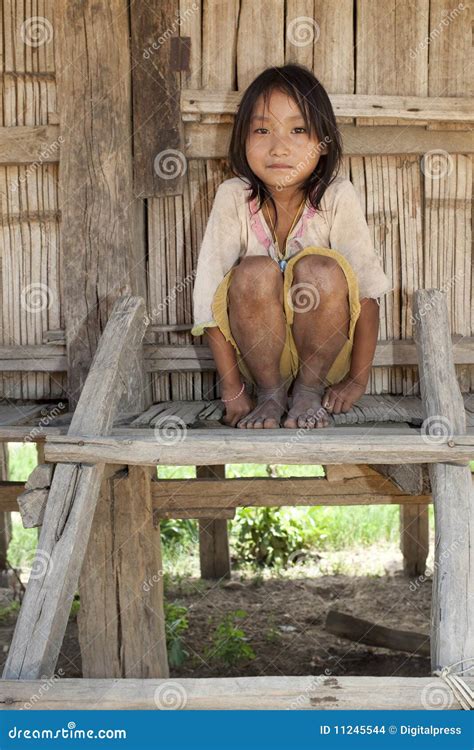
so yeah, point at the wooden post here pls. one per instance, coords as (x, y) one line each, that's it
(121, 619)
(213, 536)
(5, 520)
(452, 626)
(102, 223)
(72, 500)
(414, 519)
(414, 538)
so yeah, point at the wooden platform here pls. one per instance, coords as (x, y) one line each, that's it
(53, 417)
(313, 692)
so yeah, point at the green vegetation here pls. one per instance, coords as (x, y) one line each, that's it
(176, 623)
(229, 642)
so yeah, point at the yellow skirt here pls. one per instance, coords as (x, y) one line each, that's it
(289, 358)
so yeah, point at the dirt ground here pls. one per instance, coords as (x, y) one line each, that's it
(285, 625)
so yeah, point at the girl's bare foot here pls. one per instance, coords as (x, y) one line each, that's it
(271, 403)
(306, 409)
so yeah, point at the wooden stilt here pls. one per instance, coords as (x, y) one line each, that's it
(71, 503)
(121, 619)
(214, 553)
(452, 623)
(5, 519)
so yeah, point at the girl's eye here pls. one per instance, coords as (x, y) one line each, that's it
(302, 129)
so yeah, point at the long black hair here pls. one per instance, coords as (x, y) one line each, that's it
(313, 101)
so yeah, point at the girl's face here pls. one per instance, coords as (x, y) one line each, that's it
(279, 148)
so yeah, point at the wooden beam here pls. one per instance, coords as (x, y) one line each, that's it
(211, 141)
(159, 163)
(414, 538)
(121, 620)
(100, 259)
(193, 494)
(414, 519)
(362, 631)
(312, 692)
(33, 358)
(9, 492)
(29, 144)
(427, 109)
(183, 358)
(452, 634)
(229, 445)
(72, 500)
(214, 553)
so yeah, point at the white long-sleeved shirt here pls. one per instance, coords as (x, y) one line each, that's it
(236, 228)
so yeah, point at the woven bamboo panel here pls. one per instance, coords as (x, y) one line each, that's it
(29, 250)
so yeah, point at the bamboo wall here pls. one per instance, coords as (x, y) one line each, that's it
(29, 253)
(421, 226)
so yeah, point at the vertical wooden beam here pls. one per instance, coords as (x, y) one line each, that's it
(121, 619)
(214, 553)
(452, 626)
(5, 519)
(102, 254)
(158, 56)
(414, 538)
(414, 519)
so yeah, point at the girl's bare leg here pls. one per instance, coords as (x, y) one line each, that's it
(257, 321)
(320, 329)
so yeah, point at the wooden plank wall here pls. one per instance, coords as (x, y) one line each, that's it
(420, 225)
(29, 247)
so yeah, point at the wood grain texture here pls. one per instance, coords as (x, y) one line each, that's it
(312, 692)
(452, 628)
(69, 512)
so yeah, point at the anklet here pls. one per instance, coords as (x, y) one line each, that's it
(225, 400)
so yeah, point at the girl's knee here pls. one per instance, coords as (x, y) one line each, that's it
(321, 268)
(256, 273)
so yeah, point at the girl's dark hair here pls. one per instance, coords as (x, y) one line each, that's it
(312, 99)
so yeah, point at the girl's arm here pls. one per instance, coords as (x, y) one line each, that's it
(365, 341)
(341, 396)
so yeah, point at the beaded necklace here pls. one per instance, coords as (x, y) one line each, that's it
(282, 262)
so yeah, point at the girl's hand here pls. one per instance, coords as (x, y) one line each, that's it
(342, 396)
(238, 408)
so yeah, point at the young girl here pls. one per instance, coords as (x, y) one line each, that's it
(287, 279)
